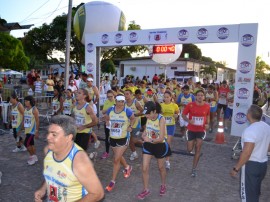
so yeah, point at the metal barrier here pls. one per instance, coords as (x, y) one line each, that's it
(43, 103)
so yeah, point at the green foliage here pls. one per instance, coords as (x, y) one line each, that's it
(107, 66)
(208, 70)
(193, 50)
(261, 69)
(12, 53)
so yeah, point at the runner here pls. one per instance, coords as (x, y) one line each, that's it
(140, 98)
(57, 102)
(68, 172)
(170, 111)
(182, 100)
(120, 120)
(69, 103)
(31, 126)
(222, 98)
(212, 98)
(92, 90)
(17, 111)
(154, 145)
(229, 110)
(198, 120)
(136, 127)
(107, 104)
(85, 119)
(160, 93)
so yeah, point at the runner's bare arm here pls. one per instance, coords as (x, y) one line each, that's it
(86, 175)
(40, 193)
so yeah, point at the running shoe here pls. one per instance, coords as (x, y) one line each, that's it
(162, 191)
(133, 156)
(96, 145)
(143, 194)
(193, 173)
(110, 187)
(168, 165)
(31, 161)
(35, 158)
(23, 148)
(105, 155)
(17, 149)
(127, 171)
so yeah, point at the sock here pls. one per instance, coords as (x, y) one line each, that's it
(135, 153)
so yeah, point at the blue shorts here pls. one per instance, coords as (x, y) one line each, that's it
(228, 113)
(213, 109)
(170, 130)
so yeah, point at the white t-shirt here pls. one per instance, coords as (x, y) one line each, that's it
(258, 133)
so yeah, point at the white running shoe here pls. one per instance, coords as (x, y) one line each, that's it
(17, 149)
(23, 148)
(35, 158)
(168, 165)
(31, 161)
(133, 156)
(96, 145)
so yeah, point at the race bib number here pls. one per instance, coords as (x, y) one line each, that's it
(169, 120)
(53, 193)
(14, 121)
(198, 121)
(79, 120)
(27, 122)
(67, 109)
(116, 132)
(55, 106)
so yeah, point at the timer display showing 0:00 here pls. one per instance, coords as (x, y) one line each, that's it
(163, 49)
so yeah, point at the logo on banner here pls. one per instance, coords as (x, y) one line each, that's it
(244, 79)
(202, 34)
(105, 38)
(242, 105)
(245, 67)
(223, 33)
(247, 40)
(90, 47)
(183, 35)
(90, 67)
(243, 93)
(133, 37)
(240, 118)
(158, 36)
(118, 38)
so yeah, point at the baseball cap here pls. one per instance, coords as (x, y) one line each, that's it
(90, 79)
(120, 98)
(162, 86)
(149, 91)
(148, 107)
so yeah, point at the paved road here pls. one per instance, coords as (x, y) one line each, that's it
(213, 183)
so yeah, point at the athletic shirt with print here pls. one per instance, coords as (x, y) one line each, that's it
(137, 122)
(211, 96)
(68, 106)
(62, 184)
(222, 93)
(230, 96)
(160, 97)
(185, 99)
(149, 98)
(199, 114)
(119, 122)
(29, 121)
(142, 104)
(168, 111)
(16, 116)
(153, 128)
(82, 118)
(55, 104)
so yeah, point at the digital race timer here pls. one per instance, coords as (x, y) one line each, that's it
(163, 49)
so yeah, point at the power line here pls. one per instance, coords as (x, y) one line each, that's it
(35, 11)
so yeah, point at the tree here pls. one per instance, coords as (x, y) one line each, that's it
(12, 53)
(209, 70)
(193, 50)
(261, 69)
(107, 66)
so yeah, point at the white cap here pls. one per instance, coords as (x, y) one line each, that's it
(90, 79)
(120, 98)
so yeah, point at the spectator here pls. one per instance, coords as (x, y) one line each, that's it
(50, 85)
(31, 78)
(38, 86)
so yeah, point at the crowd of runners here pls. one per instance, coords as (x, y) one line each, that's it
(141, 112)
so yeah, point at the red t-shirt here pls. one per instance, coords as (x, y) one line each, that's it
(199, 114)
(222, 94)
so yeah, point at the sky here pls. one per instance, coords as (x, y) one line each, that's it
(151, 14)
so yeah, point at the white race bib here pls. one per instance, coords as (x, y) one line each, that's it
(14, 121)
(67, 108)
(116, 132)
(27, 122)
(169, 120)
(198, 121)
(79, 120)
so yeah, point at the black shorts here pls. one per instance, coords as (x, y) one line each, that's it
(82, 140)
(219, 106)
(29, 140)
(143, 121)
(192, 135)
(119, 142)
(159, 150)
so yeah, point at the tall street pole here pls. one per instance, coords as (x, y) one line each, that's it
(68, 36)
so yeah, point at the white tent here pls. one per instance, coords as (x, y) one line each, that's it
(11, 72)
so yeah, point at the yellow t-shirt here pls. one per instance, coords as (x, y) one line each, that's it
(51, 83)
(62, 184)
(168, 111)
(82, 118)
(17, 117)
(137, 122)
(108, 104)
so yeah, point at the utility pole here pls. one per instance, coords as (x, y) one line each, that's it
(68, 36)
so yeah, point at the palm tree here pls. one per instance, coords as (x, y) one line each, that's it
(208, 70)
